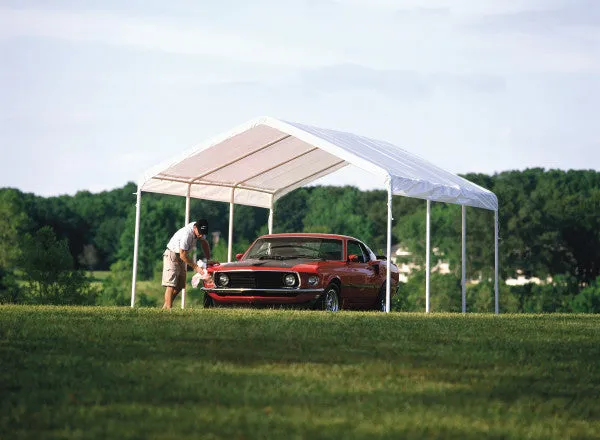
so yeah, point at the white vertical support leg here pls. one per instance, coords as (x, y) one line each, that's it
(427, 255)
(187, 220)
(270, 224)
(464, 259)
(230, 241)
(388, 277)
(496, 294)
(136, 240)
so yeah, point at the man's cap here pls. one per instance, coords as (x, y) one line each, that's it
(202, 226)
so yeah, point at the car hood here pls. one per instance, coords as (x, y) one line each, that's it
(295, 264)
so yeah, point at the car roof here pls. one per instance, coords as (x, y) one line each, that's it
(309, 234)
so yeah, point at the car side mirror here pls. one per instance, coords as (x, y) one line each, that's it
(353, 258)
(238, 256)
(374, 265)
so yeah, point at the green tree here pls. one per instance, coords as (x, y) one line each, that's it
(549, 224)
(445, 293)
(290, 210)
(116, 288)
(14, 222)
(555, 296)
(160, 218)
(107, 238)
(588, 299)
(445, 237)
(10, 292)
(47, 267)
(219, 251)
(481, 297)
(339, 211)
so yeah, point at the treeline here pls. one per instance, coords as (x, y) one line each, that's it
(549, 228)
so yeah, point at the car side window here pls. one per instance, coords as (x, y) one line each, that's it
(331, 250)
(355, 248)
(367, 257)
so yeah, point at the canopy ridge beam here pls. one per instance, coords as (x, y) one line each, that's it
(221, 185)
(237, 159)
(170, 178)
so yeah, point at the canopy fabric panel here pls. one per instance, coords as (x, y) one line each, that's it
(264, 159)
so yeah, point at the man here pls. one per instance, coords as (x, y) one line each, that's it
(178, 254)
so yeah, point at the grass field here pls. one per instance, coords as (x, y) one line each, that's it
(247, 374)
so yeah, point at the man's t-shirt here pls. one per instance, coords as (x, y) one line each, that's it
(183, 239)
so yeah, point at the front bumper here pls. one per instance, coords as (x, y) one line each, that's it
(223, 295)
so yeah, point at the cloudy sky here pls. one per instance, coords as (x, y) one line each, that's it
(92, 93)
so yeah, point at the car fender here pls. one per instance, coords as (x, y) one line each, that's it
(335, 280)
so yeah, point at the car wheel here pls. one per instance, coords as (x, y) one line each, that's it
(208, 301)
(380, 303)
(330, 300)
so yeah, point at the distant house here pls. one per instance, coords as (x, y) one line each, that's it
(522, 279)
(400, 256)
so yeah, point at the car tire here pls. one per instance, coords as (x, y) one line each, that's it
(380, 303)
(208, 301)
(330, 299)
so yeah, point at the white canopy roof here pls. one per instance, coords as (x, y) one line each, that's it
(266, 158)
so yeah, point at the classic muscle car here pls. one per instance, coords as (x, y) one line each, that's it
(320, 271)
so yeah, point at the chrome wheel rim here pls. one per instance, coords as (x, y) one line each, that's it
(331, 301)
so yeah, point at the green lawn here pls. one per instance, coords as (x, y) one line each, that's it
(117, 373)
(99, 275)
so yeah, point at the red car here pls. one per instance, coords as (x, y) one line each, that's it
(320, 271)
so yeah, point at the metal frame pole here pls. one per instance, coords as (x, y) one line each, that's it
(187, 220)
(496, 254)
(388, 278)
(427, 255)
(230, 244)
(136, 239)
(464, 259)
(270, 223)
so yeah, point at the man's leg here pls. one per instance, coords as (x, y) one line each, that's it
(172, 292)
(168, 298)
(175, 293)
(170, 277)
(180, 280)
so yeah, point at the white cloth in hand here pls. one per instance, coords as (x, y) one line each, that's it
(202, 274)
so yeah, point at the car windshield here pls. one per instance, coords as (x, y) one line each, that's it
(287, 248)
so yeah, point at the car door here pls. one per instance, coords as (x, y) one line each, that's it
(373, 278)
(360, 275)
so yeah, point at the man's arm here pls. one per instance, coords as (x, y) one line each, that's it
(186, 258)
(205, 248)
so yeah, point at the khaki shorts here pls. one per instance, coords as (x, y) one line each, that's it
(173, 270)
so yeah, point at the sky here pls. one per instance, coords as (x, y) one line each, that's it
(93, 93)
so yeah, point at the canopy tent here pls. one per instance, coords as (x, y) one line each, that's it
(262, 160)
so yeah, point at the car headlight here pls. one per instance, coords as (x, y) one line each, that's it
(313, 280)
(222, 279)
(289, 280)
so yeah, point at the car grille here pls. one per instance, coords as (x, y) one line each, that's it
(256, 280)
(258, 293)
